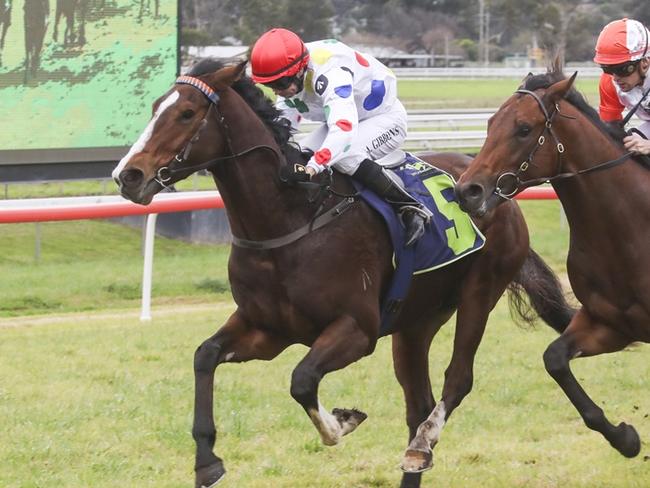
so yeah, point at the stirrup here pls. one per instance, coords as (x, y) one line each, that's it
(423, 211)
(414, 228)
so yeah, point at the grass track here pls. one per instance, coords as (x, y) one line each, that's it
(107, 401)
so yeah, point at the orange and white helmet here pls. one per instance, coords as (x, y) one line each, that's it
(276, 54)
(622, 41)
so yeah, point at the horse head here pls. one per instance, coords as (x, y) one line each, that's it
(191, 129)
(522, 147)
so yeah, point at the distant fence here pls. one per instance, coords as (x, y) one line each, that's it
(488, 72)
(443, 129)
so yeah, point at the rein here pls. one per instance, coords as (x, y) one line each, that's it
(164, 174)
(548, 127)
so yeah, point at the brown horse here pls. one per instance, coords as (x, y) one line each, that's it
(548, 125)
(320, 287)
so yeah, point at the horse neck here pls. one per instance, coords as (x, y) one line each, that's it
(258, 207)
(596, 202)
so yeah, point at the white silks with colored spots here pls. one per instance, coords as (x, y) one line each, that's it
(356, 97)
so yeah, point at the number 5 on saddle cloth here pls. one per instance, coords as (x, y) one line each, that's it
(451, 234)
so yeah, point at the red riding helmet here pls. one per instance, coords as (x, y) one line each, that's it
(277, 53)
(622, 41)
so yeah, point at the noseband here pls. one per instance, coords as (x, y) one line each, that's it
(523, 167)
(177, 164)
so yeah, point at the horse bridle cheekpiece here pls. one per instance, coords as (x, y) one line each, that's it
(523, 167)
(548, 127)
(165, 174)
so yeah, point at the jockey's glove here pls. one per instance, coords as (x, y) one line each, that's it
(293, 173)
(306, 155)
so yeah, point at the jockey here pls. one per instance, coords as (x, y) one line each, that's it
(622, 51)
(355, 96)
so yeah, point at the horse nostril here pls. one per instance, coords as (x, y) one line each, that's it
(470, 195)
(131, 177)
(473, 191)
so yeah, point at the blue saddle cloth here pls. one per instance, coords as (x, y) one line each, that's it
(450, 235)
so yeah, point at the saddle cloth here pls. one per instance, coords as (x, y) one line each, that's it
(451, 234)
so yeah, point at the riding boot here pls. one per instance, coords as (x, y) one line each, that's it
(414, 215)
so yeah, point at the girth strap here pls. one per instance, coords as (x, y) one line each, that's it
(320, 221)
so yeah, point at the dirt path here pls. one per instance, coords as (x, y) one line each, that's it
(134, 314)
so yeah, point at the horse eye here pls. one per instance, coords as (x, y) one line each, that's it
(187, 114)
(523, 130)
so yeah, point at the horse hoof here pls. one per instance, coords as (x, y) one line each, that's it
(349, 419)
(209, 476)
(627, 442)
(417, 461)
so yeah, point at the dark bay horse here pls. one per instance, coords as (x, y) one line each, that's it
(546, 130)
(323, 289)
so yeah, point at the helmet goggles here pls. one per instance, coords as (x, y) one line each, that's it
(281, 83)
(621, 70)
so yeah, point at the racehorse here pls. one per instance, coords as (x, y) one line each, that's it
(546, 131)
(35, 17)
(295, 281)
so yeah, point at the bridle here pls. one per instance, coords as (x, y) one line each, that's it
(523, 167)
(165, 174)
(178, 163)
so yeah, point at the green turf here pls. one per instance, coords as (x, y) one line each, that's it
(106, 401)
(472, 92)
(94, 265)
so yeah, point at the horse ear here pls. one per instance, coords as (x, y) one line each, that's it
(557, 91)
(228, 75)
(526, 78)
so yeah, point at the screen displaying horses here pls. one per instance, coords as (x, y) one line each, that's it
(77, 76)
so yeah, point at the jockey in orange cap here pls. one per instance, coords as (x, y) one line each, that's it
(355, 97)
(623, 52)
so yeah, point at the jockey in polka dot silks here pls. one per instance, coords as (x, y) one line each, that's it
(355, 96)
(623, 52)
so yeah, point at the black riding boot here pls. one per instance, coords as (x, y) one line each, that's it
(414, 215)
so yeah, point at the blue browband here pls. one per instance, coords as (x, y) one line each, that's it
(199, 85)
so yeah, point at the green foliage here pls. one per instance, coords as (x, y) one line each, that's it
(470, 47)
(195, 37)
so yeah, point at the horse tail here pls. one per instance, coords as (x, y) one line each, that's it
(545, 295)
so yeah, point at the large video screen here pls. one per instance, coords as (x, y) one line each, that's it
(77, 77)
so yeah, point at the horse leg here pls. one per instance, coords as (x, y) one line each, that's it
(341, 343)
(587, 337)
(481, 290)
(236, 341)
(411, 363)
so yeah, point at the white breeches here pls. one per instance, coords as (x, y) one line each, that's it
(376, 137)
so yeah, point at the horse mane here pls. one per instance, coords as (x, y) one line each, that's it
(261, 105)
(575, 98)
